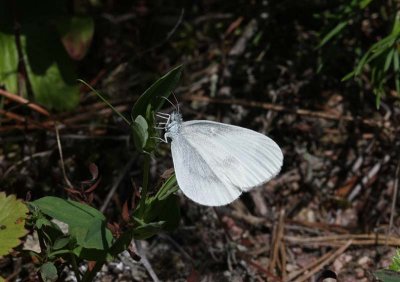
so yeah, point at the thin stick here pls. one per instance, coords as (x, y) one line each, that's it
(22, 119)
(116, 184)
(145, 261)
(278, 236)
(283, 260)
(338, 252)
(310, 265)
(145, 184)
(62, 158)
(357, 239)
(169, 34)
(24, 101)
(280, 108)
(393, 209)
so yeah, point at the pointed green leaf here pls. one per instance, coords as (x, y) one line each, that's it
(389, 59)
(61, 242)
(169, 187)
(336, 30)
(162, 87)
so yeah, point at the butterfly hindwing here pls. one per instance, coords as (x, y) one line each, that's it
(223, 160)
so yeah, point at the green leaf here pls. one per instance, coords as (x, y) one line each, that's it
(50, 70)
(61, 243)
(148, 230)
(42, 221)
(348, 76)
(12, 221)
(169, 187)
(76, 35)
(336, 30)
(93, 254)
(122, 242)
(387, 275)
(160, 208)
(140, 133)
(48, 272)
(86, 224)
(8, 63)
(162, 87)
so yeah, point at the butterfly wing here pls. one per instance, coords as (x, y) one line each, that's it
(215, 162)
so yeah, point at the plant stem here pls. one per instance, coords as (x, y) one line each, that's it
(90, 275)
(105, 101)
(75, 268)
(145, 184)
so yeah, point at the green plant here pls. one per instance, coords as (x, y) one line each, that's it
(39, 42)
(395, 265)
(89, 237)
(381, 61)
(344, 16)
(12, 220)
(393, 273)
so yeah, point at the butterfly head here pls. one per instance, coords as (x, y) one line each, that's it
(173, 125)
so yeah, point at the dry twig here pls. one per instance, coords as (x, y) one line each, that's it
(280, 108)
(24, 101)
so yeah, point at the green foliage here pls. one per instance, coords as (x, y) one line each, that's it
(8, 63)
(386, 275)
(383, 61)
(380, 60)
(140, 132)
(142, 114)
(12, 221)
(88, 238)
(46, 53)
(393, 273)
(344, 16)
(395, 265)
(152, 96)
(86, 224)
(161, 211)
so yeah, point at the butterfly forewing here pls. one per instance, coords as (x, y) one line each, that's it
(223, 160)
(196, 178)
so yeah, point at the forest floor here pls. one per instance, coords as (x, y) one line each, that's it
(331, 211)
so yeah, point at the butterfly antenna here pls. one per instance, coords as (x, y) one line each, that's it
(176, 100)
(173, 105)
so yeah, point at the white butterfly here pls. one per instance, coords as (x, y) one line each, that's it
(215, 162)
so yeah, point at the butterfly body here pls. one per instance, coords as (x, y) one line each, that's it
(215, 162)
